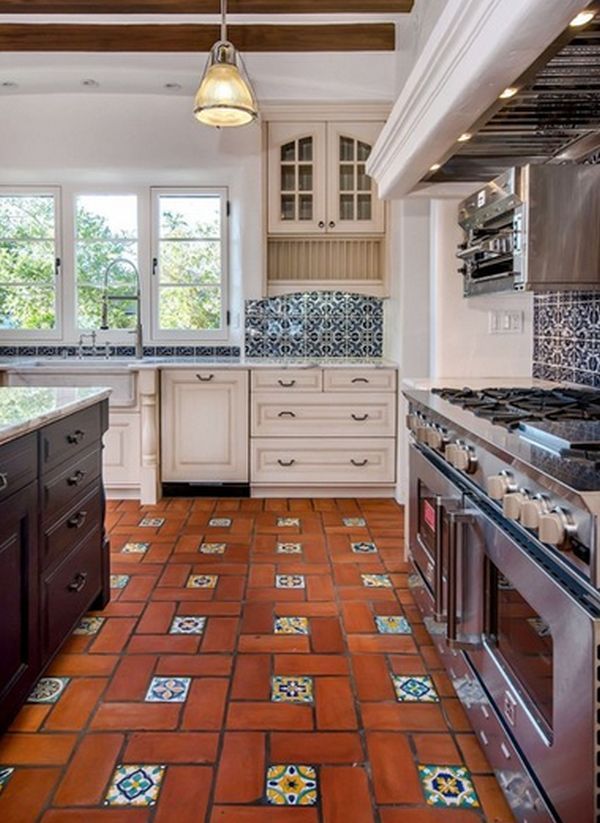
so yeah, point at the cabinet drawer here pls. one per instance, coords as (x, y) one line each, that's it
(287, 380)
(70, 436)
(321, 415)
(74, 526)
(61, 488)
(320, 461)
(339, 380)
(69, 589)
(18, 464)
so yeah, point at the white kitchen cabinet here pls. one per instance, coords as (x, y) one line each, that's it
(122, 453)
(204, 426)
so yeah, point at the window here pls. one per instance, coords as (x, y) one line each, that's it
(190, 263)
(106, 260)
(29, 262)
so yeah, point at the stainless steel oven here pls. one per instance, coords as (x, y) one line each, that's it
(519, 639)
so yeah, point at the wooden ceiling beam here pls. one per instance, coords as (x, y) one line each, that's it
(195, 38)
(204, 6)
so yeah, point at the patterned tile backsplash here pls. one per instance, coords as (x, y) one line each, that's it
(121, 351)
(566, 341)
(315, 324)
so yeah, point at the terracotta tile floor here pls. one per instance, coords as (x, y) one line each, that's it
(200, 742)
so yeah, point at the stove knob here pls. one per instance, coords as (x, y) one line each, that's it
(436, 438)
(450, 452)
(422, 431)
(499, 485)
(462, 458)
(555, 527)
(412, 421)
(512, 504)
(532, 510)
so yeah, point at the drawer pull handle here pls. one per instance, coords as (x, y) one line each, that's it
(286, 414)
(75, 479)
(288, 384)
(78, 583)
(360, 417)
(76, 437)
(359, 462)
(205, 379)
(3, 481)
(77, 521)
(360, 380)
(286, 462)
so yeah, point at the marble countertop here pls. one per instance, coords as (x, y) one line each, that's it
(428, 383)
(24, 409)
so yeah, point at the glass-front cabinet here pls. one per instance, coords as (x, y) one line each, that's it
(317, 180)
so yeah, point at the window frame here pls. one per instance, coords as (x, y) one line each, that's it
(55, 334)
(191, 336)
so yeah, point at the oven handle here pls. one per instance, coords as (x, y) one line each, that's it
(438, 599)
(457, 520)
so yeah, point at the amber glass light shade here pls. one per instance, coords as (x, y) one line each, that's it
(225, 97)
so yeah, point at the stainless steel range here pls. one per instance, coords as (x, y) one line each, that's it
(503, 533)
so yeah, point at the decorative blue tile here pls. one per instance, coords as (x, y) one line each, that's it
(392, 624)
(296, 689)
(289, 581)
(288, 522)
(135, 548)
(290, 625)
(168, 690)
(448, 787)
(135, 785)
(188, 624)
(89, 625)
(289, 548)
(376, 581)
(291, 785)
(220, 522)
(119, 581)
(364, 548)
(151, 522)
(414, 688)
(212, 548)
(354, 522)
(202, 581)
(5, 774)
(48, 689)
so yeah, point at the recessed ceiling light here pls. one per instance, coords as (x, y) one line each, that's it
(435, 167)
(90, 84)
(509, 92)
(465, 137)
(173, 86)
(582, 18)
(9, 84)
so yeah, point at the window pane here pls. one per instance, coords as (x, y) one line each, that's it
(93, 258)
(190, 216)
(26, 216)
(107, 215)
(190, 262)
(27, 307)
(27, 262)
(122, 314)
(190, 308)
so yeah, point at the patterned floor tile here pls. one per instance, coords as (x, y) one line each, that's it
(188, 624)
(290, 625)
(135, 548)
(119, 581)
(89, 625)
(151, 522)
(364, 548)
(220, 522)
(376, 581)
(354, 522)
(289, 548)
(285, 522)
(202, 581)
(135, 785)
(168, 690)
(290, 581)
(292, 689)
(213, 548)
(414, 688)
(392, 624)
(48, 689)
(291, 785)
(448, 786)
(5, 775)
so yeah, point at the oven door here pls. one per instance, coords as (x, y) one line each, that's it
(445, 545)
(538, 664)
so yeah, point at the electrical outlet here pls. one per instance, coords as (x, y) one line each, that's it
(503, 321)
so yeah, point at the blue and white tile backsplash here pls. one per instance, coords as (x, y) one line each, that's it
(315, 324)
(566, 337)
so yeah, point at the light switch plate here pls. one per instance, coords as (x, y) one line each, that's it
(504, 321)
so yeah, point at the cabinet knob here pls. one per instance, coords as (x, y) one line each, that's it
(75, 437)
(75, 479)
(77, 521)
(3, 481)
(332, 224)
(78, 583)
(321, 224)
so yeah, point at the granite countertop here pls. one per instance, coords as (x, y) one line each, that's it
(476, 383)
(24, 409)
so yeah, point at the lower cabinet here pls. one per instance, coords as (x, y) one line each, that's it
(122, 452)
(204, 426)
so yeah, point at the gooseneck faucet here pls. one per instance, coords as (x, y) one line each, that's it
(106, 298)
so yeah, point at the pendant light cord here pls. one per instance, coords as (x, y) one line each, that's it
(223, 19)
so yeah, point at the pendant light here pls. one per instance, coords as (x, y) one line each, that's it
(225, 96)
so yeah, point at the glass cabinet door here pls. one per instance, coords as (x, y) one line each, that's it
(296, 177)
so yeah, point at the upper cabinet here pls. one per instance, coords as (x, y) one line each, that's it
(317, 181)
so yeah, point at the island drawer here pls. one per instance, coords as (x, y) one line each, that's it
(343, 380)
(70, 436)
(62, 487)
(316, 461)
(287, 380)
(68, 590)
(18, 464)
(321, 415)
(73, 526)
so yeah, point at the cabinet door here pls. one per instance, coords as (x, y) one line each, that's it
(352, 202)
(19, 630)
(297, 178)
(204, 426)
(122, 451)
